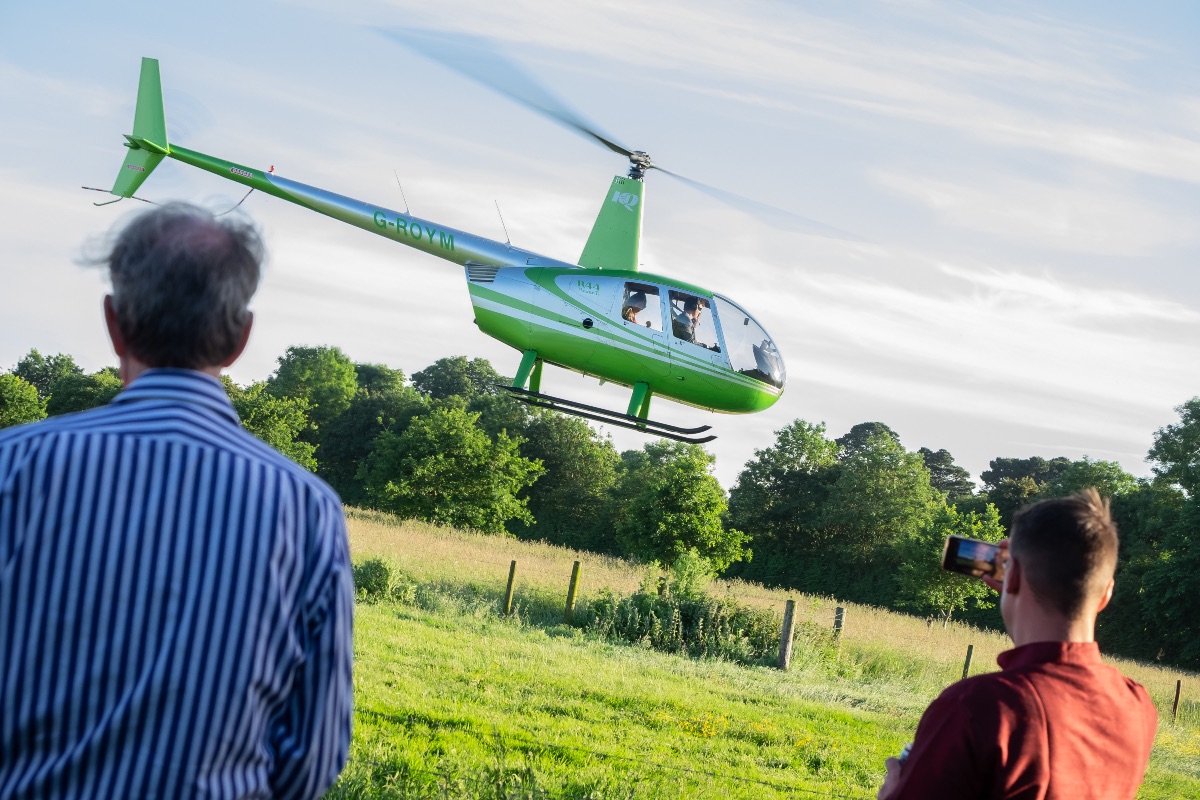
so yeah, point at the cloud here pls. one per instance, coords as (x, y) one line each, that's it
(1037, 83)
(1100, 219)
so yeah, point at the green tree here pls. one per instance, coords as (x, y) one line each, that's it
(924, 586)
(1172, 579)
(1148, 520)
(347, 440)
(1041, 470)
(829, 517)
(499, 413)
(323, 377)
(1175, 455)
(444, 469)
(780, 495)
(670, 505)
(44, 371)
(278, 421)
(862, 435)
(881, 496)
(1108, 478)
(1013, 482)
(571, 502)
(946, 476)
(19, 401)
(1172, 584)
(378, 378)
(456, 376)
(79, 392)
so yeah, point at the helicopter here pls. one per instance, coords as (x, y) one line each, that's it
(600, 316)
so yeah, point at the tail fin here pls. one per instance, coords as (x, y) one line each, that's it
(148, 142)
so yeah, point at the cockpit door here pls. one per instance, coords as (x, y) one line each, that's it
(643, 332)
(695, 338)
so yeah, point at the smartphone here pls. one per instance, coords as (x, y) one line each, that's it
(973, 557)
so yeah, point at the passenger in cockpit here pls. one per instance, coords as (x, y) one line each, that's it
(633, 304)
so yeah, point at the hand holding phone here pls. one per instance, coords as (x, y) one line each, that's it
(975, 557)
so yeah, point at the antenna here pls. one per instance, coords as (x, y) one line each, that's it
(402, 197)
(239, 202)
(507, 238)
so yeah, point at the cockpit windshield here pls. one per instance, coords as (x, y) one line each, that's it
(751, 351)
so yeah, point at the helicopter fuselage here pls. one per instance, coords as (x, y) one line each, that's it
(573, 318)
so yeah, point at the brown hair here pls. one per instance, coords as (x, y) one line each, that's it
(1067, 547)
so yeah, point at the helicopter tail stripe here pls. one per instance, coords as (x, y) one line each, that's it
(148, 142)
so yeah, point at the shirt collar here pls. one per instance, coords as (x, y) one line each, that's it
(179, 385)
(1046, 652)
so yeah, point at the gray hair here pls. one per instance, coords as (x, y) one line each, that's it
(182, 280)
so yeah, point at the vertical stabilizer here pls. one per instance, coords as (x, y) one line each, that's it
(148, 142)
(617, 234)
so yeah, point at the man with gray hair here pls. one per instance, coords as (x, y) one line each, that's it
(175, 595)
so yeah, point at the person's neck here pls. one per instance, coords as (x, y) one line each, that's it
(132, 368)
(1050, 627)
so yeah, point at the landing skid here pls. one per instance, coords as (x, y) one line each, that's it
(611, 417)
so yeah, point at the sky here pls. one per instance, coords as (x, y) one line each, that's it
(1022, 181)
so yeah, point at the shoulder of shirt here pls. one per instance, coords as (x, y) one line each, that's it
(241, 442)
(990, 690)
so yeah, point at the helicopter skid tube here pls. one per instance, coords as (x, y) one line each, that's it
(609, 417)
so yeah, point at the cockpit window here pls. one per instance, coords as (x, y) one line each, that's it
(750, 350)
(690, 323)
(640, 305)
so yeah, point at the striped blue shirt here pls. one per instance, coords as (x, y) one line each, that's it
(175, 605)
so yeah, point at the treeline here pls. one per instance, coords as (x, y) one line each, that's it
(858, 517)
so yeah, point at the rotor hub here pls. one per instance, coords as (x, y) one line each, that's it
(639, 162)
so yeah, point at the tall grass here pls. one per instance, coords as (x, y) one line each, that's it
(886, 665)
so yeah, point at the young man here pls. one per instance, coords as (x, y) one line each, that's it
(1055, 723)
(175, 595)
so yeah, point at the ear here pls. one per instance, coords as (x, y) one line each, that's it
(1108, 590)
(241, 347)
(1012, 578)
(114, 329)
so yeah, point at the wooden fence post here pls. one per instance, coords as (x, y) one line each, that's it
(1175, 708)
(508, 593)
(839, 619)
(967, 663)
(571, 592)
(785, 638)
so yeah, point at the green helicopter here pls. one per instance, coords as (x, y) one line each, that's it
(600, 316)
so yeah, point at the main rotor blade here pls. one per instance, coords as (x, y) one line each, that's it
(772, 215)
(477, 59)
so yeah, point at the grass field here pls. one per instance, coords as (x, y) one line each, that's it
(454, 701)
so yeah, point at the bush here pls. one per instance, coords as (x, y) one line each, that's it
(697, 624)
(371, 579)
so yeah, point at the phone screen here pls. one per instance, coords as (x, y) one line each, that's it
(972, 557)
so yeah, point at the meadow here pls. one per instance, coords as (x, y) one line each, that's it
(454, 700)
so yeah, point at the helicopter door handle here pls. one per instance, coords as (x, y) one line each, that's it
(587, 323)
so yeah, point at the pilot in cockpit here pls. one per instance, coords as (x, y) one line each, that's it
(684, 323)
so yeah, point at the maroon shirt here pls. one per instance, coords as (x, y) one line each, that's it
(1055, 724)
